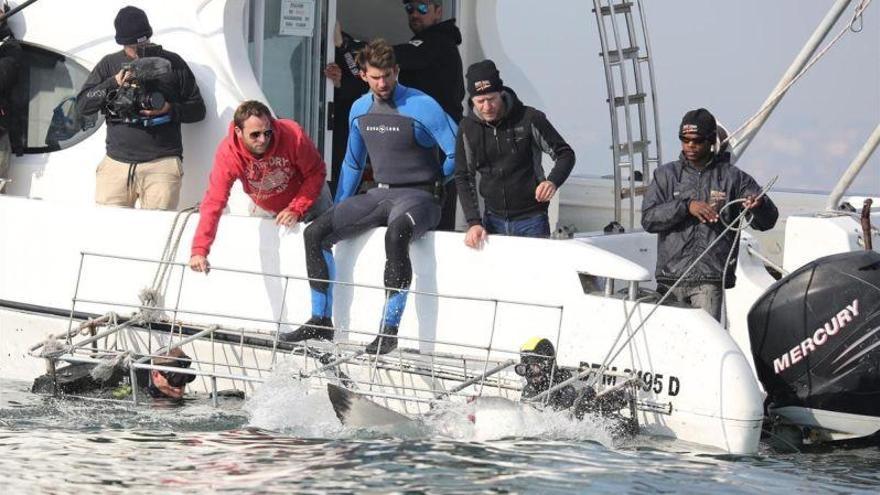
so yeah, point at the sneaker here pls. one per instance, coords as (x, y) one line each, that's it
(383, 344)
(318, 327)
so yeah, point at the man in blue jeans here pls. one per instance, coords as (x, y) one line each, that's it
(504, 140)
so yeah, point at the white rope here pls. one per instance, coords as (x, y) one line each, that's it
(154, 296)
(612, 355)
(775, 97)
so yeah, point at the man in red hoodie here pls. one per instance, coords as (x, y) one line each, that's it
(279, 167)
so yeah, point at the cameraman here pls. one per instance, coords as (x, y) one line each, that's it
(10, 60)
(144, 149)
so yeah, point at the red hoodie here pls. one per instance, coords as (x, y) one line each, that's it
(289, 176)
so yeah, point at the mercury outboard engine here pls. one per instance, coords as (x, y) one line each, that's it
(815, 338)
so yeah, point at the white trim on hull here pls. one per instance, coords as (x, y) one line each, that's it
(834, 425)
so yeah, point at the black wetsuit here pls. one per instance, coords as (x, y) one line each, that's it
(401, 136)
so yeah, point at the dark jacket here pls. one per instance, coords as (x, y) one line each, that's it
(10, 63)
(681, 237)
(508, 157)
(350, 89)
(132, 143)
(431, 63)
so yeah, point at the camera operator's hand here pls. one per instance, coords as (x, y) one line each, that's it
(162, 111)
(123, 77)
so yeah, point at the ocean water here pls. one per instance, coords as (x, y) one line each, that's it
(285, 440)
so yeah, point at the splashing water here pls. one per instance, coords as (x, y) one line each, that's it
(284, 403)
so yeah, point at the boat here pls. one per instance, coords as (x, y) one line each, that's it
(68, 266)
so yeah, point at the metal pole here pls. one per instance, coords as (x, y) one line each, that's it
(15, 10)
(796, 66)
(854, 168)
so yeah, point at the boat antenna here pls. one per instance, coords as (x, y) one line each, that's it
(858, 163)
(804, 61)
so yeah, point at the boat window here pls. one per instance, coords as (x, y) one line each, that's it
(592, 284)
(44, 103)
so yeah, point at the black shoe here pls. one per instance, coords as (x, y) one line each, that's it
(318, 327)
(383, 344)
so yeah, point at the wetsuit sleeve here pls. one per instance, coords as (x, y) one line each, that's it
(189, 107)
(216, 197)
(446, 139)
(466, 181)
(442, 129)
(766, 214)
(355, 158)
(90, 99)
(552, 143)
(313, 171)
(660, 211)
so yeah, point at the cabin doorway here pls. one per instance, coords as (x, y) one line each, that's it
(288, 43)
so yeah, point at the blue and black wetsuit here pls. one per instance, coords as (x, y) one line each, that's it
(401, 136)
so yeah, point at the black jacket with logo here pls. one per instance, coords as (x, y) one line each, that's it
(132, 143)
(430, 62)
(507, 156)
(680, 236)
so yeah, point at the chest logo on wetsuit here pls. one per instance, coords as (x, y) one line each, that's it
(382, 129)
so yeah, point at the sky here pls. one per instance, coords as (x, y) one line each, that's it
(724, 55)
(728, 55)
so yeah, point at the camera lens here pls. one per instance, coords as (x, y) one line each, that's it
(152, 101)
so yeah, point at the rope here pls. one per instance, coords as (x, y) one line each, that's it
(775, 97)
(154, 295)
(611, 356)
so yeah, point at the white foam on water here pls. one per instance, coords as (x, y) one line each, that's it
(283, 403)
(489, 419)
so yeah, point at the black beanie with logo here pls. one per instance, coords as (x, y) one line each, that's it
(698, 121)
(132, 26)
(483, 77)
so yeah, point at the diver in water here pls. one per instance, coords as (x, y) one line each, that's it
(538, 367)
(98, 380)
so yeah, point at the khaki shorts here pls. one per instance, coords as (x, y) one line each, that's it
(153, 185)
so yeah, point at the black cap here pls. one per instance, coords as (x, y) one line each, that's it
(699, 121)
(482, 78)
(132, 26)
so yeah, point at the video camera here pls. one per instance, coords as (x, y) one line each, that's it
(124, 104)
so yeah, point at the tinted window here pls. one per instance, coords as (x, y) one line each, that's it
(43, 103)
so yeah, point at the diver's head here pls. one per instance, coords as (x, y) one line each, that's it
(171, 383)
(537, 361)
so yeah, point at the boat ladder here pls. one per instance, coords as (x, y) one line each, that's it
(632, 99)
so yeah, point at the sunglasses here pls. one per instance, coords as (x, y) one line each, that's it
(422, 8)
(267, 133)
(686, 140)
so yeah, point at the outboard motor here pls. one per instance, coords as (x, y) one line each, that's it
(815, 338)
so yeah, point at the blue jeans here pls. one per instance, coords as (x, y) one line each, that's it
(536, 226)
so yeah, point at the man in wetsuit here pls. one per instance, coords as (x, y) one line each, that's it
(400, 128)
